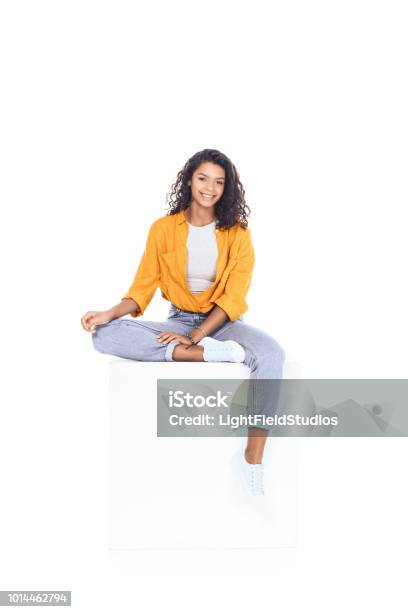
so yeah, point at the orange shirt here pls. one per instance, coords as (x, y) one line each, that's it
(164, 264)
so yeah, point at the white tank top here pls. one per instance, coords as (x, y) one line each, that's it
(202, 257)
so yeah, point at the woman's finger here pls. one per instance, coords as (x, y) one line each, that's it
(165, 340)
(89, 322)
(85, 322)
(166, 336)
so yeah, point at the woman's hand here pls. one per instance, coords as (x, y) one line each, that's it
(167, 337)
(94, 317)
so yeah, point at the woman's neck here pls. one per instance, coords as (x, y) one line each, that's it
(199, 217)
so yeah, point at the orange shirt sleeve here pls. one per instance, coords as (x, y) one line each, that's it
(233, 301)
(147, 276)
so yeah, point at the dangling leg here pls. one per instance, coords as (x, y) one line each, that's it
(265, 358)
(256, 444)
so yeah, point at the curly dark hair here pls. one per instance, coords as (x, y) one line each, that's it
(230, 208)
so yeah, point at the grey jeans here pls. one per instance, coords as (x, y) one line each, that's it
(136, 339)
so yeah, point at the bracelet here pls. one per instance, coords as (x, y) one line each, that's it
(191, 339)
(202, 331)
(196, 341)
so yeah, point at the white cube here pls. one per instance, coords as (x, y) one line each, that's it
(180, 492)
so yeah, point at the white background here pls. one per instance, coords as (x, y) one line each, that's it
(102, 103)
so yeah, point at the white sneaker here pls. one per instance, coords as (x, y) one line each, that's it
(222, 350)
(250, 474)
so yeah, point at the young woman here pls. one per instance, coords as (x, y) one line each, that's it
(201, 256)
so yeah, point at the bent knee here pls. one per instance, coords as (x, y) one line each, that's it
(102, 336)
(98, 340)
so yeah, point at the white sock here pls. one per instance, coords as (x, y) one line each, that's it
(222, 350)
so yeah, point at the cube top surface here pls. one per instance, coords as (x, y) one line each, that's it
(181, 369)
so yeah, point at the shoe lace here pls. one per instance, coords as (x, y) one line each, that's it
(257, 478)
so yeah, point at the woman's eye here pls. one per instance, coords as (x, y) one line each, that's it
(201, 178)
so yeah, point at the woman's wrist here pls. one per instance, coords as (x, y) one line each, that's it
(110, 314)
(126, 306)
(197, 334)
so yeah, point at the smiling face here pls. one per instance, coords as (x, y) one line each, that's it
(207, 184)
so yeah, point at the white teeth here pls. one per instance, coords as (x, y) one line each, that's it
(206, 196)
